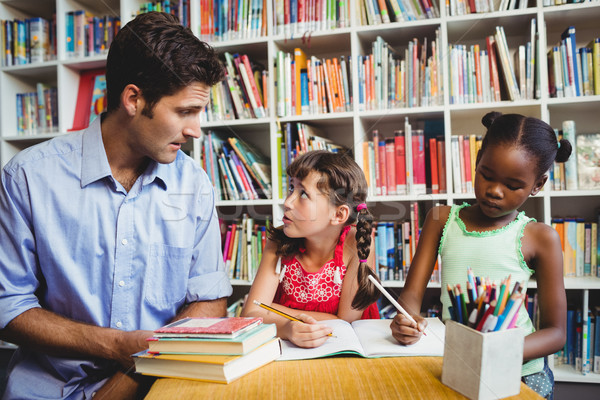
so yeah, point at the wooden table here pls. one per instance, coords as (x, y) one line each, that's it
(327, 378)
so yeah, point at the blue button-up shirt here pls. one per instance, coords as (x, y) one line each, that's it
(75, 242)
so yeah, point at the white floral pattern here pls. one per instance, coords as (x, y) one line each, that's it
(306, 287)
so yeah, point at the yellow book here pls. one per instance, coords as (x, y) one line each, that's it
(473, 153)
(299, 64)
(580, 249)
(595, 46)
(570, 247)
(365, 149)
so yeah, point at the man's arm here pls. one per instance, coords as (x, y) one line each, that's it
(55, 335)
(209, 308)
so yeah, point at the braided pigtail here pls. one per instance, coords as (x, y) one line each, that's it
(367, 293)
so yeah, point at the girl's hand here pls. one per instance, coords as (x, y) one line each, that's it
(405, 331)
(308, 333)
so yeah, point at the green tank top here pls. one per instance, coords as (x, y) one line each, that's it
(494, 254)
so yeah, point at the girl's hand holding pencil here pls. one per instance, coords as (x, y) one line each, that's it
(405, 331)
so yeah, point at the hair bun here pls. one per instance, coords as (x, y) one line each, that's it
(564, 151)
(489, 118)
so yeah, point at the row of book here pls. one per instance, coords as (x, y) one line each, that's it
(294, 139)
(89, 35)
(209, 349)
(463, 153)
(243, 92)
(582, 347)
(309, 85)
(295, 18)
(374, 12)
(550, 3)
(386, 80)
(480, 75)
(396, 243)
(26, 41)
(237, 170)
(410, 162)
(464, 7)
(37, 112)
(572, 71)
(579, 239)
(222, 20)
(180, 8)
(582, 170)
(243, 245)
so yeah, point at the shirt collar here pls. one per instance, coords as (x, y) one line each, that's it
(95, 166)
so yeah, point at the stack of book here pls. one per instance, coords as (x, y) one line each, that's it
(237, 170)
(29, 40)
(209, 349)
(243, 245)
(37, 112)
(243, 92)
(89, 35)
(572, 71)
(582, 170)
(222, 20)
(411, 78)
(297, 18)
(378, 12)
(411, 162)
(309, 85)
(180, 8)
(479, 75)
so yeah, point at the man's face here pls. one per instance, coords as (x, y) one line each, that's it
(175, 118)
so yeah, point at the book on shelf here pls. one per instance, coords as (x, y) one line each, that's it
(369, 338)
(179, 8)
(29, 40)
(386, 80)
(37, 112)
(463, 153)
(206, 367)
(86, 96)
(221, 328)
(588, 160)
(309, 85)
(297, 18)
(241, 344)
(579, 240)
(243, 245)
(88, 34)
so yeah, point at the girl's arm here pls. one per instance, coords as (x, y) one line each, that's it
(419, 274)
(543, 243)
(350, 283)
(264, 287)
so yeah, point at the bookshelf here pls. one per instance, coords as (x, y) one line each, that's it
(350, 128)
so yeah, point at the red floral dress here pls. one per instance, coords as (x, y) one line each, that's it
(316, 291)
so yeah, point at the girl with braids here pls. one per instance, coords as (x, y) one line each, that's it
(313, 265)
(495, 239)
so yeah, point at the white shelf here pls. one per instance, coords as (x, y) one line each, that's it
(566, 373)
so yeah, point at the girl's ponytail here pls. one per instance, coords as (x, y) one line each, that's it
(367, 293)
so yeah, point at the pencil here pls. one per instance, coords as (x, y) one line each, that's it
(276, 311)
(393, 301)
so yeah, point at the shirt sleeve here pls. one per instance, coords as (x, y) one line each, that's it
(18, 265)
(208, 277)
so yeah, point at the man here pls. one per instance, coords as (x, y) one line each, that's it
(112, 232)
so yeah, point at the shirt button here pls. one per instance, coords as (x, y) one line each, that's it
(124, 242)
(119, 324)
(121, 283)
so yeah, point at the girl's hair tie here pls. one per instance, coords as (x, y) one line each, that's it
(361, 206)
(559, 145)
(362, 261)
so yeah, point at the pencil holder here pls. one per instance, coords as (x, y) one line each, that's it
(482, 365)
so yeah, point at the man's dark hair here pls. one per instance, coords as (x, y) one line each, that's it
(160, 56)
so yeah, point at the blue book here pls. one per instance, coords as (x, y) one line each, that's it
(597, 344)
(578, 340)
(305, 104)
(570, 32)
(382, 249)
(390, 250)
(570, 337)
(399, 273)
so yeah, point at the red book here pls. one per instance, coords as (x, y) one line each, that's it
(382, 167)
(441, 163)
(433, 160)
(248, 66)
(390, 166)
(83, 106)
(208, 327)
(418, 156)
(400, 162)
(493, 61)
(467, 157)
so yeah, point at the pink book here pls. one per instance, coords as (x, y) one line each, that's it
(208, 327)
(418, 151)
(400, 162)
(390, 166)
(467, 160)
(382, 167)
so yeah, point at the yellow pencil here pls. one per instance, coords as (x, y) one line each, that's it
(276, 311)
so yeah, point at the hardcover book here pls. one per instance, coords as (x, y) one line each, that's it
(208, 327)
